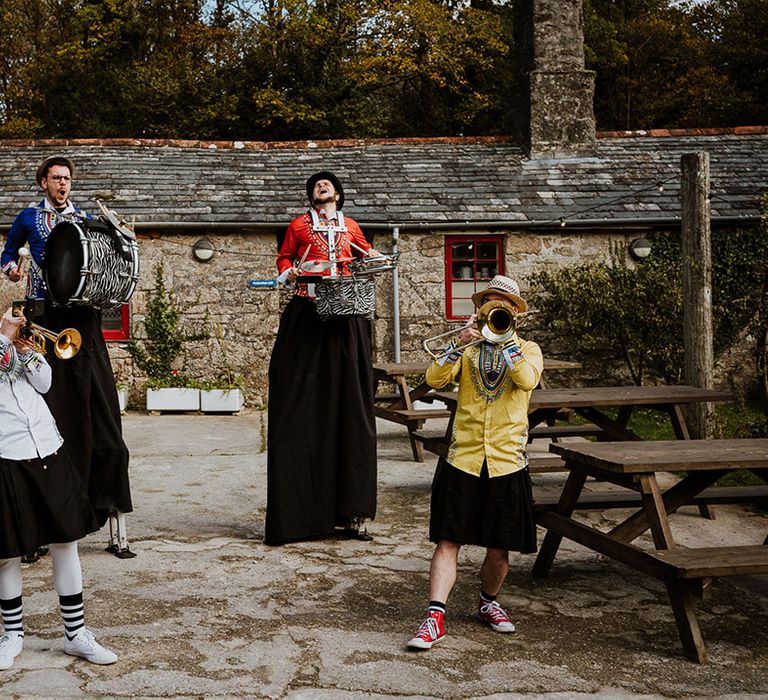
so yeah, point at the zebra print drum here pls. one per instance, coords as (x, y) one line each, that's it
(345, 296)
(90, 263)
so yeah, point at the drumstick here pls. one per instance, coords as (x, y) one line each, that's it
(304, 257)
(357, 247)
(23, 255)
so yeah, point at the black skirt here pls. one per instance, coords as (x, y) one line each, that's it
(42, 501)
(495, 513)
(83, 401)
(321, 438)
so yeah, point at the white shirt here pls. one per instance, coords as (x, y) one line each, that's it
(27, 428)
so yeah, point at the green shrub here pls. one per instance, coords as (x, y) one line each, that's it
(158, 354)
(607, 311)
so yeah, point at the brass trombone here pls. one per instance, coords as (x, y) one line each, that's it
(66, 343)
(497, 321)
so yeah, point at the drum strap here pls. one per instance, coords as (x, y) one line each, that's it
(333, 236)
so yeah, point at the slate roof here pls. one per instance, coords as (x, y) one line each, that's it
(450, 181)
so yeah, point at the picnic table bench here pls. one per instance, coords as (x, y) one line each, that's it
(634, 466)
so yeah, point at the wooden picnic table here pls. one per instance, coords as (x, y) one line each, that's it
(685, 572)
(400, 406)
(589, 403)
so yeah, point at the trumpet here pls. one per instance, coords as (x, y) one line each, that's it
(66, 343)
(497, 321)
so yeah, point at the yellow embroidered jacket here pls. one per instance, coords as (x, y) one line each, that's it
(492, 415)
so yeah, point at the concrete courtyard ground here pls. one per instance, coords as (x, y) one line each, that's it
(205, 610)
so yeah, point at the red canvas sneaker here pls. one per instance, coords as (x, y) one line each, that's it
(494, 615)
(431, 632)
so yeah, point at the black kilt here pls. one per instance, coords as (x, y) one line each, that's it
(83, 401)
(42, 502)
(495, 513)
(321, 438)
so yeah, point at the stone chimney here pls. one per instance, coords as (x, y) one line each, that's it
(555, 92)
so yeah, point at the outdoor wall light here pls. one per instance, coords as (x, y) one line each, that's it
(640, 248)
(203, 250)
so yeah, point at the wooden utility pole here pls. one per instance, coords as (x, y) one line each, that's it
(697, 288)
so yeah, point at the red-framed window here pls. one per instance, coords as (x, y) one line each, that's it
(470, 264)
(116, 323)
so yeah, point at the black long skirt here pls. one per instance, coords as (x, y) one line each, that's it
(83, 401)
(321, 441)
(495, 513)
(42, 501)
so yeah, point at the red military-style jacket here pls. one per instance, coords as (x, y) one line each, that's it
(301, 233)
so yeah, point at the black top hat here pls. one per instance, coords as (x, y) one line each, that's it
(326, 175)
(42, 170)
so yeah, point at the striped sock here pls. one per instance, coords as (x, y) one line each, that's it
(13, 616)
(72, 613)
(436, 605)
(485, 597)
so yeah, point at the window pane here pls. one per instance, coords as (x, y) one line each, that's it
(463, 290)
(485, 271)
(463, 307)
(112, 319)
(463, 250)
(487, 251)
(462, 271)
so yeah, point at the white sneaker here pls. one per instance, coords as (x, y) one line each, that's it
(85, 645)
(11, 644)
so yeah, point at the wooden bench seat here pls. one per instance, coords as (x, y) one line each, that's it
(714, 562)
(434, 442)
(409, 417)
(546, 464)
(423, 413)
(600, 500)
(557, 431)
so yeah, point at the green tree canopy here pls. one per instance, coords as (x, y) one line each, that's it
(283, 69)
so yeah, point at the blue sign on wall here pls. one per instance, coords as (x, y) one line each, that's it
(262, 284)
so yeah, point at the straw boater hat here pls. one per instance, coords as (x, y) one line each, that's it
(505, 286)
(326, 175)
(42, 170)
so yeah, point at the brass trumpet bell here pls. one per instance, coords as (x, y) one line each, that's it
(497, 321)
(66, 343)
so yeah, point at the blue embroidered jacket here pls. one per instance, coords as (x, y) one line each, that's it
(31, 227)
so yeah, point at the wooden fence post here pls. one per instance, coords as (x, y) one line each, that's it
(697, 288)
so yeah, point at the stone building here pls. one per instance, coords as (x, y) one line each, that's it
(458, 209)
(439, 196)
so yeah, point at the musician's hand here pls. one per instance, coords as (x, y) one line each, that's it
(10, 325)
(23, 345)
(16, 274)
(293, 273)
(470, 331)
(372, 253)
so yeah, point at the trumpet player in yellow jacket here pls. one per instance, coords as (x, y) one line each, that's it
(481, 493)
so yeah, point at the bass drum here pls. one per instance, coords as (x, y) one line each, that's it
(90, 263)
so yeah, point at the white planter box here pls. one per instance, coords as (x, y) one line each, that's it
(122, 397)
(173, 399)
(221, 400)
